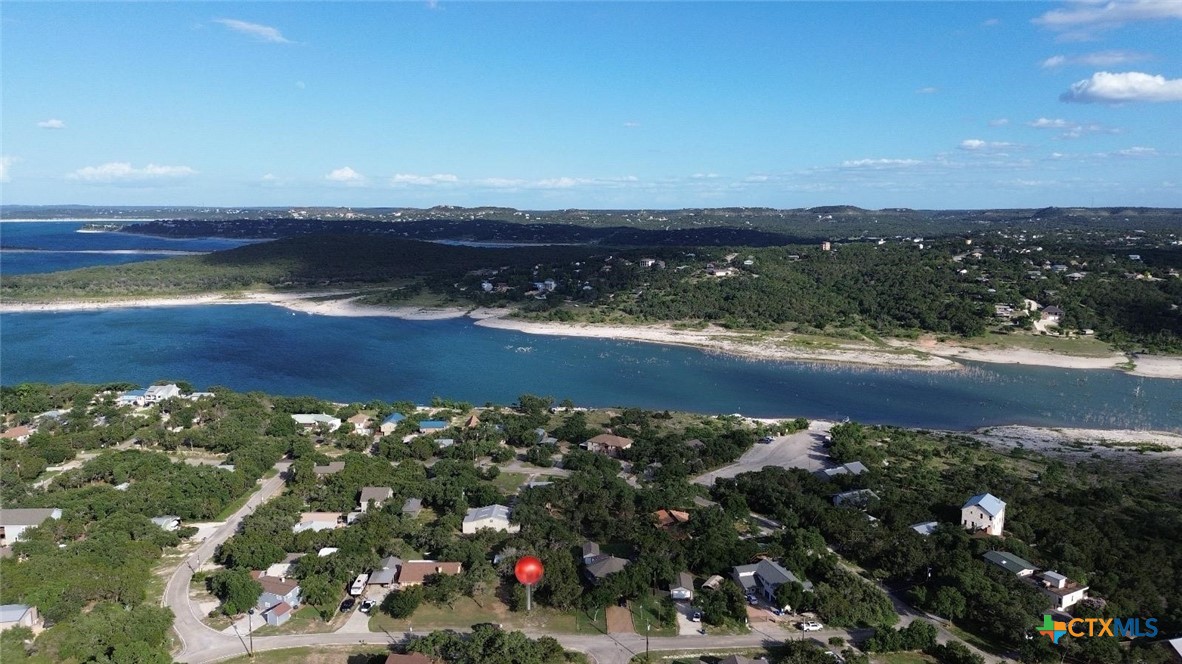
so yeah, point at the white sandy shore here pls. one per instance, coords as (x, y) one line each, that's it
(1083, 442)
(901, 354)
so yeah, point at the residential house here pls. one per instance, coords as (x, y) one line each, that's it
(168, 522)
(276, 590)
(762, 578)
(428, 426)
(851, 468)
(472, 422)
(317, 521)
(19, 615)
(412, 507)
(591, 552)
(360, 423)
(20, 434)
(860, 498)
(543, 438)
(391, 423)
(330, 469)
(375, 494)
(387, 574)
(158, 393)
(1052, 315)
(14, 522)
(609, 444)
(132, 398)
(278, 614)
(926, 528)
(493, 517)
(413, 572)
(309, 422)
(1010, 563)
(604, 566)
(984, 513)
(445, 443)
(683, 587)
(1064, 592)
(669, 518)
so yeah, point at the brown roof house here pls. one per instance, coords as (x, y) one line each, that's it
(609, 444)
(278, 614)
(413, 572)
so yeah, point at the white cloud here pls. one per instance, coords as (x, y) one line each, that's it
(999, 122)
(121, 171)
(6, 162)
(1047, 123)
(631, 125)
(880, 163)
(990, 22)
(978, 145)
(1099, 59)
(1108, 88)
(345, 174)
(261, 32)
(1136, 151)
(704, 176)
(929, 90)
(52, 123)
(423, 180)
(1090, 13)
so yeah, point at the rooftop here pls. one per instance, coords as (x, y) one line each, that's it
(991, 504)
(1009, 562)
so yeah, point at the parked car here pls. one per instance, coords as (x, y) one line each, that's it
(347, 604)
(766, 439)
(811, 626)
(367, 605)
(696, 616)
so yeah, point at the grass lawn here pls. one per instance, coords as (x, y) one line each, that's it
(1081, 346)
(234, 506)
(306, 620)
(317, 655)
(508, 483)
(977, 641)
(643, 613)
(467, 611)
(680, 657)
(902, 658)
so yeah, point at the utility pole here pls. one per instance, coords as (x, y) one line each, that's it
(250, 630)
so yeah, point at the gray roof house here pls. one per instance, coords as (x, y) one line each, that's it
(19, 615)
(387, 574)
(169, 522)
(926, 528)
(590, 552)
(851, 468)
(14, 522)
(331, 468)
(377, 494)
(859, 498)
(764, 577)
(494, 517)
(412, 507)
(604, 566)
(682, 587)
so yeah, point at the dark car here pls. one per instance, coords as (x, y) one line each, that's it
(766, 439)
(347, 604)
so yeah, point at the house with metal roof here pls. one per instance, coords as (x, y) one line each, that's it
(764, 577)
(985, 513)
(493, 517)
(1010, 563)
(19, 615)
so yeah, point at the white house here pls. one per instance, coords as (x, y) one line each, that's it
(168, 522)
(158, 393)
(309, 421)
(14, 522)
(376, 494)
(683, 587)
(494, 517)
(926, 528)
(19, 615)
(984, 513)
(1063, 591)
(317, 521)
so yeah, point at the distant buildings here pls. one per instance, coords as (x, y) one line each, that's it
(308, 422)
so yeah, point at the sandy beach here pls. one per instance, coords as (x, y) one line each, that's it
(899, 355)
(1084, 442)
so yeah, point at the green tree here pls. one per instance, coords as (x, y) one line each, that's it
(236, 589)
(402, 603)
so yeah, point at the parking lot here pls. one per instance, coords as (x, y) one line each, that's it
(804, 449)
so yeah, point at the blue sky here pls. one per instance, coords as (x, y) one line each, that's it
(597, 105)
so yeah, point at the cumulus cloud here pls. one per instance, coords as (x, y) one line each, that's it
(1100, 59)
(6, 162)
(345, 174)
(52, 123)
(1090, 13)
(1108, 88)
(880, 163)
(260, 32)
(423, 180)
(121, 171)
(1071, 129)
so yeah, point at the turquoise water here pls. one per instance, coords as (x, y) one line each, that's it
(259, 347)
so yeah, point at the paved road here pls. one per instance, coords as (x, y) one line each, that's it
(803, 449)
(196, 637)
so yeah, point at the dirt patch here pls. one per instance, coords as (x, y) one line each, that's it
(619, 620)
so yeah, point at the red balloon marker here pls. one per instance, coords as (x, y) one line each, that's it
(529, 571)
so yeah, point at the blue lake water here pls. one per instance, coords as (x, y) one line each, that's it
(259, 347)
(57, 246)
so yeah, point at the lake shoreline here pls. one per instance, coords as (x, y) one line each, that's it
(926, 355)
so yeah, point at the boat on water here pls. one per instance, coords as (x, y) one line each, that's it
(99, 228)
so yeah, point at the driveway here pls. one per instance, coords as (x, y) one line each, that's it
(803, 449)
